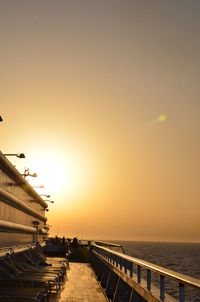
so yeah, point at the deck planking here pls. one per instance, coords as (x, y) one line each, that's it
(80, 286)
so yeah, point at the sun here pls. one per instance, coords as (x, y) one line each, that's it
(51, 174)
(60, 175)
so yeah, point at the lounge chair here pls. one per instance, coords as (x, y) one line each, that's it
(20, 262)
(11, 273)
(23, 294)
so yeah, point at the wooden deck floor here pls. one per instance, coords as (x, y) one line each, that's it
(80, 286)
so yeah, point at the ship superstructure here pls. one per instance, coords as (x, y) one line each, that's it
(22, 210)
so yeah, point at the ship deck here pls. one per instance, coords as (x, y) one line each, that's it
(80, 285)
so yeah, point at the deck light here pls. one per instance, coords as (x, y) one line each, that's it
(41, 187)
(48, 196)
(27, 173)
(20, 155)
(51, 201)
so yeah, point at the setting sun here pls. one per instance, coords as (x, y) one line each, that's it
(51, 174)
(60, 175)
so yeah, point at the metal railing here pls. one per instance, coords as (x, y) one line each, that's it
(131, 267)
(110, 245)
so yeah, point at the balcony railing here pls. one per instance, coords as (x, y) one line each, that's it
(129, 270)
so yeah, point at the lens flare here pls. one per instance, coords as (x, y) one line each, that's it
(162, 118)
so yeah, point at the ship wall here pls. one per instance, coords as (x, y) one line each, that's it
(22, 210)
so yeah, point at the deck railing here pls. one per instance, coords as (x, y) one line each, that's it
(126, 266)
(110, 245)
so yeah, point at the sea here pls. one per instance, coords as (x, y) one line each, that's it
(180, 257)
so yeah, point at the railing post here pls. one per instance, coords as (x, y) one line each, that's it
(108, 280)
(116, 289)
(131, 295)
(162, 288)
(121, 264)
(131, 269)
(148, 280)
(181, 292)
(102, 275)
(139, 274)
(125, 267)
(117, 261)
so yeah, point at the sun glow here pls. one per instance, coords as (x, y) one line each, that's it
(60, 176)
(51, 174)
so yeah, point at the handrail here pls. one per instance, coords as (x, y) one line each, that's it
(158, 269)
(107, 243)
(126, 263)
(110, 244)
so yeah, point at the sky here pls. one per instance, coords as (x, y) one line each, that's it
(103, 99)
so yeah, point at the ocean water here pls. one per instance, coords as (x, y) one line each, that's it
(180, 257)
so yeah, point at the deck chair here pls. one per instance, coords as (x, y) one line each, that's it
(23, 294)
(21, 263)
(15, 264)
(11, 273)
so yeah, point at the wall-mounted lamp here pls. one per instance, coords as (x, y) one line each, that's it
(20, 155)
(41, 187)
(48, 196)
(1, 120)
(47, 210)
(51, 201)
(27, 173)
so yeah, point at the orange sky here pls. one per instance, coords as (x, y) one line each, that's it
(83, 84)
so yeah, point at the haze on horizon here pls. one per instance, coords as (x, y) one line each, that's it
(103, 98)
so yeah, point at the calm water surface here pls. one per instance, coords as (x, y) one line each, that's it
(180, 257)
